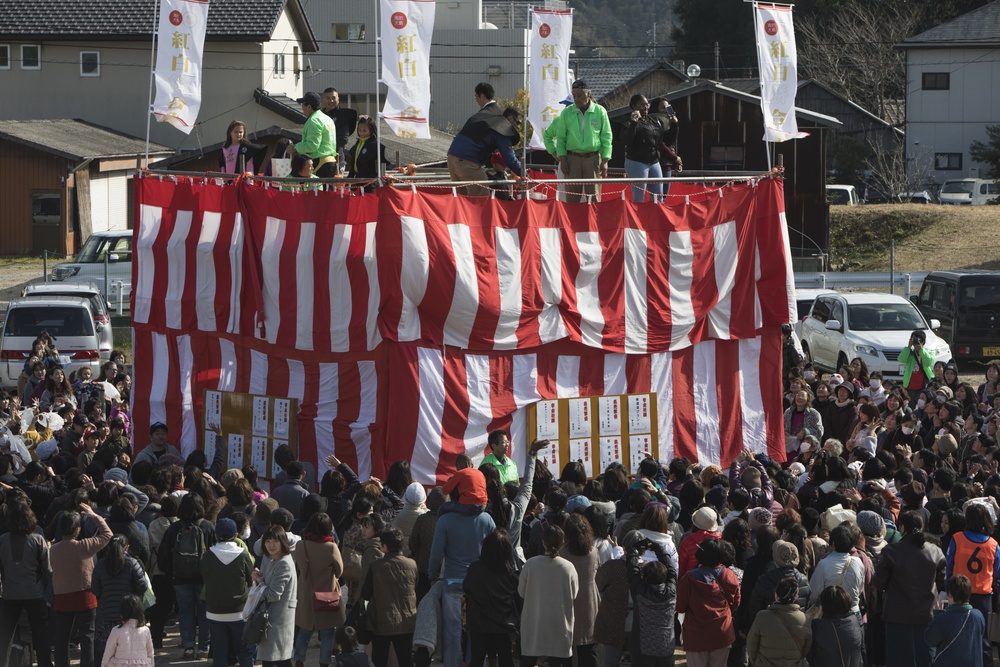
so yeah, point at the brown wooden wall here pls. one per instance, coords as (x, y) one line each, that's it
(22, 171)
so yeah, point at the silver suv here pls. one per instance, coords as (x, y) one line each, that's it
(68, 319)
(85, 290)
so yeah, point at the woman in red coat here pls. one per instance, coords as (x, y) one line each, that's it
(708, 596)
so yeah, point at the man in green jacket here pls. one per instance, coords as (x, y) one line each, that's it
(225, 570)
(319, 137)
(499, 443)
(583, 142)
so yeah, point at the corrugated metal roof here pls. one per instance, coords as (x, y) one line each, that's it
(76, 139)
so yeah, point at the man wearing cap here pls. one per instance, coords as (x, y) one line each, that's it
(157, 445)
(291, 494)
(345, 120)
(583, 142)
(499, 443)
(704, 525)
(70, 440)
(489, 129)
(225, 570)
(319, 137)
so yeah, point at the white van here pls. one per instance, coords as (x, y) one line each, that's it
(846, 195)
(88, 265)
(968, 191)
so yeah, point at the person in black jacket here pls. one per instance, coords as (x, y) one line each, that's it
(491, 592)
(238, 155)
(654, 601)
(363, 158)
(190, 606)
(116, 575)
(643, 133)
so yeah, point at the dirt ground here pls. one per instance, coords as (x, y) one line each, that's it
(15, 273)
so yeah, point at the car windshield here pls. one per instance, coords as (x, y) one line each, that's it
(57, 320)
(955, 187)
(979, 298)
(838, 196)
(92, 250)
(885, 317)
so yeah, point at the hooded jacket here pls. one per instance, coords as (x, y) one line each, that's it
(710, 599)
(225, 570)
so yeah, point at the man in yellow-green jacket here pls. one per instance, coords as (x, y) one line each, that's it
(319, 137)
(583, 142)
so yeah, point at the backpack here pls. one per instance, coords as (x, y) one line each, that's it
(188, 550)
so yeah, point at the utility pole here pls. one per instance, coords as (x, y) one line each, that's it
(716, 61)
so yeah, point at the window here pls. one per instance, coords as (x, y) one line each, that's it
(987, 188)
(947, 161)
(4, 56)
(90, 63)
(279, 65)
(936, 81)
(349, 32)
(31, 56)
(725, 156)
(838, 312)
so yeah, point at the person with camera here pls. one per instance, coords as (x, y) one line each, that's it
(918, 364)
(653, 586)
(643, 133)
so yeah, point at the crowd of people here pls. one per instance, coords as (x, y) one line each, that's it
(579, 139)
(872, 541)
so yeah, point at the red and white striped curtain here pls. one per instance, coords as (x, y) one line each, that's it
(409, 324)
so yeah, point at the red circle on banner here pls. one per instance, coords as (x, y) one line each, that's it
(544, 30)
(398, 20)
(176, 17)
(771, 27)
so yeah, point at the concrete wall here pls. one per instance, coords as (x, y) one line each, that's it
(947, 121)
(119, 97)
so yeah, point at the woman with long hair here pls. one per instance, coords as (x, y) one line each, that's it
(362, 161)
(130, 643)
(580, 552)
(497, 505)
(549, 585)
(57, 386)
(117, 574)
(238, 154)
(643, 134)
(490, 586)
(25, 571)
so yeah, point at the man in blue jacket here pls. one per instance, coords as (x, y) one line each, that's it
(488, 130)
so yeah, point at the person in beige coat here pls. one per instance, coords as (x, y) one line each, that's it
(580, 552)
(317, 558)
(781, 635)
(391, 586)
(548, 585)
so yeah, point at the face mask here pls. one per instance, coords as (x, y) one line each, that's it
(921, 403)
(907, 430)
(875, 384)
(809, 375)
(245, 534)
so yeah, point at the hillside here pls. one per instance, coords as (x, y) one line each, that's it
(927, 237)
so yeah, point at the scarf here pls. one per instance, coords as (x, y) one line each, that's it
(313, 537)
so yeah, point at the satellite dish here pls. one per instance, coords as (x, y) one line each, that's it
(693, 71)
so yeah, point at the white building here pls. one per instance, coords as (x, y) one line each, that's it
(465, 51)
(952, 93)
(91, 60)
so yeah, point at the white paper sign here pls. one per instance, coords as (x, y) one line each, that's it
(550, 458)
(258, 454)
(547, 416)
(235, 450)
(639, 420)
(609, 408)
(260, 415)
(213, 409)
(639, 447)
(275, 468)
(611, 451)
(582, 450)
(282, 417)
(581, 421)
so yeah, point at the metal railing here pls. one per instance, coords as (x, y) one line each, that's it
(908, 282)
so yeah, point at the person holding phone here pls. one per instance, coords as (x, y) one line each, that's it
(670, 161)
(643, 134)
(918, 364)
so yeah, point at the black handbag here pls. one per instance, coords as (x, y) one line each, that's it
(358, 619)
(256, 627)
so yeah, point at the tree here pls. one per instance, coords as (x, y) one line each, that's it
(887, 168)
(988, 152)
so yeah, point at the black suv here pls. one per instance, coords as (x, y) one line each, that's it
(968, 305)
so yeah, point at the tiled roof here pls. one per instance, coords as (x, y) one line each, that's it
(978, 28)
(76, 139)
(280, 104)
(109, 20)
(603, 75)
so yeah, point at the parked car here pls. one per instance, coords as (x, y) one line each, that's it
(969, 191)
(875, 327)
(921, 197)
(846, 195)
(803, 301)
(68, 319)
(968, 305)
(88, 265)
(86, 290)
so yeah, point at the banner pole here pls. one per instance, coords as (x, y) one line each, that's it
(760, 79)
(524, 83)
(152, 69)
(378, 80)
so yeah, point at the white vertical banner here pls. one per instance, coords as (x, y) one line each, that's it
(778, 71)
(548, 68)
(180, 41)
(407, 27)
